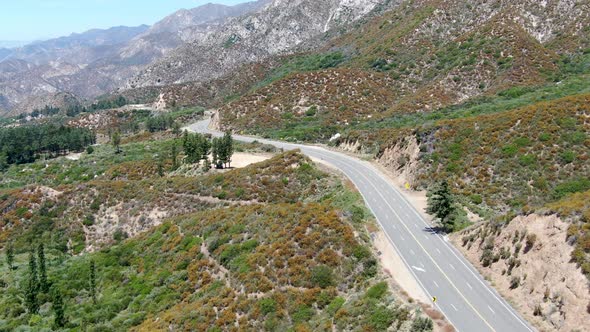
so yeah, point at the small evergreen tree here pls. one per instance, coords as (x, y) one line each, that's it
(228, 148)
(10, 256)
(176, 128)
(216, 152)
(43, 283)
(174, 156)
(32, 286)
(160, 167)
(116, 141)
(440, 204)
(93, 281)
(58, 309)
(206, 165)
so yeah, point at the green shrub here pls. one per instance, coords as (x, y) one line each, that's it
(377, 291)
(335, 305)
(567, 157)
(311, 111)
(381, 318)
(571, 187)
(302, 314)
(476, 199)
(267, 306)
(422, 324)
(322, 276)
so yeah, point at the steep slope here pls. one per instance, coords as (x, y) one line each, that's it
(278, 28)
(433, 54)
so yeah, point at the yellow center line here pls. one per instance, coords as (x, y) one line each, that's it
(426, 252)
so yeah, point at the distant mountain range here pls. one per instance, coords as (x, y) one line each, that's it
(98, 61)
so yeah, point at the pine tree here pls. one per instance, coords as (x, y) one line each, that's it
(216, 153)
(228, 148)
(176, 128)
(116, 141)
(32, 289)
(93, 281)
(206, 165)
(10, 256)
(58, 309)
(160, 167)
(174, 156)
(440, 204)
(43, 283)
(3, 161)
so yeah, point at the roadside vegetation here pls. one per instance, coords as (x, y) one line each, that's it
(284, 245)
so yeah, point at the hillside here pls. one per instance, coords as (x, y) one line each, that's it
(428, 55)
(280, 244)
(276, 29)
(490, 97)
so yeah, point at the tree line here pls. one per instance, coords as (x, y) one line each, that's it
(26, 144)
(104, 104)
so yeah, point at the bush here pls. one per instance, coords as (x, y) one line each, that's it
(567, 157)
(120, 235)
(571, 187)
(377, 291)
(322, 276)
(302, 314)
(476, 199)
(382, 318)
(530, 242)
(267, 306)
(335, 305)
(311, 111)
(515, 282)
(90, 150)
(422, 324)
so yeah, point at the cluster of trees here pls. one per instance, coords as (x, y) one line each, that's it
(197, 147)
(38, 289)
(25, 144)
(161, 123)
(109, 103)
(71, 111)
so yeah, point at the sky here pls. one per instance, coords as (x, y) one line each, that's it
(28, 20)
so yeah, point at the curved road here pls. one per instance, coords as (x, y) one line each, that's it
(463, 296)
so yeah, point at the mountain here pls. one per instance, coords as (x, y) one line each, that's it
(78, 48)
(210, 12)
(426, 55)
(13, 43)
(99, 61)
(4, 52)
(277, 29)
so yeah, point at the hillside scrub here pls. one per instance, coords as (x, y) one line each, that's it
(293, 261)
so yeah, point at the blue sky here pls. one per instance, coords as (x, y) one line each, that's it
(41, 19)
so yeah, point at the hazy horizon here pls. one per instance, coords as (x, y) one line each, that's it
(26, 21)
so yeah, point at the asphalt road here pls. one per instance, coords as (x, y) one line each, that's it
(463, 296)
